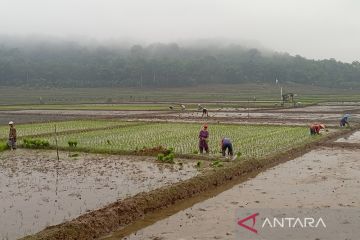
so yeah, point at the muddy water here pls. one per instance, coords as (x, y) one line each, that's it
(27, 118)
(82, 112)
(340, 104)
(353, 138)
(323, 108)
(33, 196)
(257, 121)
(325, 178)
(268, 115)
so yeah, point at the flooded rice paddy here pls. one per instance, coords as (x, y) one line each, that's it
(37, 191)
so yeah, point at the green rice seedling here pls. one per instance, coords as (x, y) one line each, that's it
(72, 143)
(35, 143)
(34, 129)
(3, 146)
(216, 163)
(160, 157)
(167, 157)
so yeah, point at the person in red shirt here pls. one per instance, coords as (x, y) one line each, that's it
(315, 128)
(203, 139)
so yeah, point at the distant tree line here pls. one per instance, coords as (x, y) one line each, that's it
(163, 65)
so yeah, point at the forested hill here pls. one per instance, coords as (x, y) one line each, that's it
(68, 64)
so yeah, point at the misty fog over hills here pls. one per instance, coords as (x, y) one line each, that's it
(62, 63)
(161, 43)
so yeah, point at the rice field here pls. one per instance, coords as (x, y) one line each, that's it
(251, 141)
(49, 127)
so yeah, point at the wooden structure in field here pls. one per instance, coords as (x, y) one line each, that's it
(288, 97)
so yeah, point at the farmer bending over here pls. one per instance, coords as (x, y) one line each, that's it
(345, 121)
(203, 139)
(12, 136)
(205, 113)
(315, 128)
(226, 145)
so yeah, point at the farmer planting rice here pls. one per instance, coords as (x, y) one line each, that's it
(205, 112)
(203, 139)
(345, 121)
(315, 128)
(226, 145)
(12, 136)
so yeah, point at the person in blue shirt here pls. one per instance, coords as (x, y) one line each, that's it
(226, 145)
(345, 120)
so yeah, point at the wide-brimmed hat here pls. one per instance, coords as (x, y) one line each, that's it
(11, 123)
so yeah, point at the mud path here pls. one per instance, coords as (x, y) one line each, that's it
(295, 116)
(299, 116)
(266, 115)
(249, 121)
(323, 178)
(34, 195)
(353, 138)
(332, 121)
(36, 116)
(322, 109)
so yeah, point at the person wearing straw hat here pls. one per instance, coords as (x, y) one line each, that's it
(203, 139)
(315, 129)
(12, 136)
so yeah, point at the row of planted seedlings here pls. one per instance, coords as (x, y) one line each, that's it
(28, 132)
(168, 139)
(36, 129)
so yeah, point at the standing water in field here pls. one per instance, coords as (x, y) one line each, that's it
(34, 196)
(327, 178)
(353, 138)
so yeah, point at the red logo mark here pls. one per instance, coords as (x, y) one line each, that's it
(253, 217)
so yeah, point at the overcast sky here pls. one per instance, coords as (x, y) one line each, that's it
(312, 28)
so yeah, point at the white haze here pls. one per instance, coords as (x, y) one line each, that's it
(312, 28)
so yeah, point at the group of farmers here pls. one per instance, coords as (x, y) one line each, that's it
(315, 128)
(226, 145)
(205, 112)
